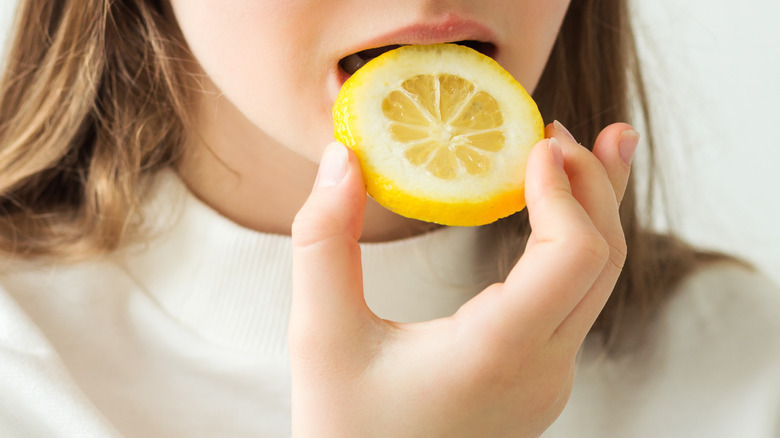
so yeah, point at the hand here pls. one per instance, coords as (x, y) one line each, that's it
(503, 364)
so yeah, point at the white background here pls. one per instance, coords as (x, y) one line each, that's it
(713, 68)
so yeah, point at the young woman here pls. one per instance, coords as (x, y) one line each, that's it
(156, 158)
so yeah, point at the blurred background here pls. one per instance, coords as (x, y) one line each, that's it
(712, 68)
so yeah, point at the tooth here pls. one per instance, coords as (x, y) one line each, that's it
(352, 63)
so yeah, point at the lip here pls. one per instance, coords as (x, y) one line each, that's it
(447, 28)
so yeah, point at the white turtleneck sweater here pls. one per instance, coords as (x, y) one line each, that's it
(185, 336)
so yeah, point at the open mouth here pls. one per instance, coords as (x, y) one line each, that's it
(352, 63)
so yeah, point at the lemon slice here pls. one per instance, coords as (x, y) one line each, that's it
(442, 133)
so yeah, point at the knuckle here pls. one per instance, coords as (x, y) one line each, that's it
(618, 251)
(589, 245)
(309, 228)
(301, 226)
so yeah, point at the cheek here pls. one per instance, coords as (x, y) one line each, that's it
(264, 63)
(535, 29)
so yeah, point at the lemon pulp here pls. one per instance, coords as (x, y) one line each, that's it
(444, 125)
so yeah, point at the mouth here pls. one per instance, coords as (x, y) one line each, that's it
(352, 63)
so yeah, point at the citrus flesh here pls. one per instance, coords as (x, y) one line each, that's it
(442, 133)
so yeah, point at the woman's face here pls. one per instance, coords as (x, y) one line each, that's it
(278, 61)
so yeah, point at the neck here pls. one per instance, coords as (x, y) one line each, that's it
(258, 183)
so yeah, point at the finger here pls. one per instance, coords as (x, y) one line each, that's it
(327, 279)
(598, 185)
(591, 183)
(617, 160)
(567, 255)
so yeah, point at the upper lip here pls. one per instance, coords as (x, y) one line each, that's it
(449, 28)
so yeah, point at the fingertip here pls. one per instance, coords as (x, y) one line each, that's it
(340, 171)
(561, 130)
(556, 152)
(627, 144)
(333, 165)
(545, 170)
(615, 148)
(607, 146)
(337, 200)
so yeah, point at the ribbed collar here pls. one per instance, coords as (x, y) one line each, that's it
(232, 285)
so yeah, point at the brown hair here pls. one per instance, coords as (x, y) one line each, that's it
(592, 79)
(93, 102)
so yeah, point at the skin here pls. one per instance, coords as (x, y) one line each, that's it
(255, 52)
(503, 364)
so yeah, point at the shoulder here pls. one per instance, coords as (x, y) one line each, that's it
(721, 327)
(726, 299)
(21, 275)
(706, 366)
(46, 289)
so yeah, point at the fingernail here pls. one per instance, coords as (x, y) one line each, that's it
(555, 150)
(560, 128)
(627, 143)
(333, 165)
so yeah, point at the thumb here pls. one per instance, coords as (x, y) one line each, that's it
(327, 277)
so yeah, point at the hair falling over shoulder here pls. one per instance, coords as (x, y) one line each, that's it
(93, 102)
(592, 79)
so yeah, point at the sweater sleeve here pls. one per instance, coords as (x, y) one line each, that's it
(39, 398)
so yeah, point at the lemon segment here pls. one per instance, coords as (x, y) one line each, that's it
(442, 133)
